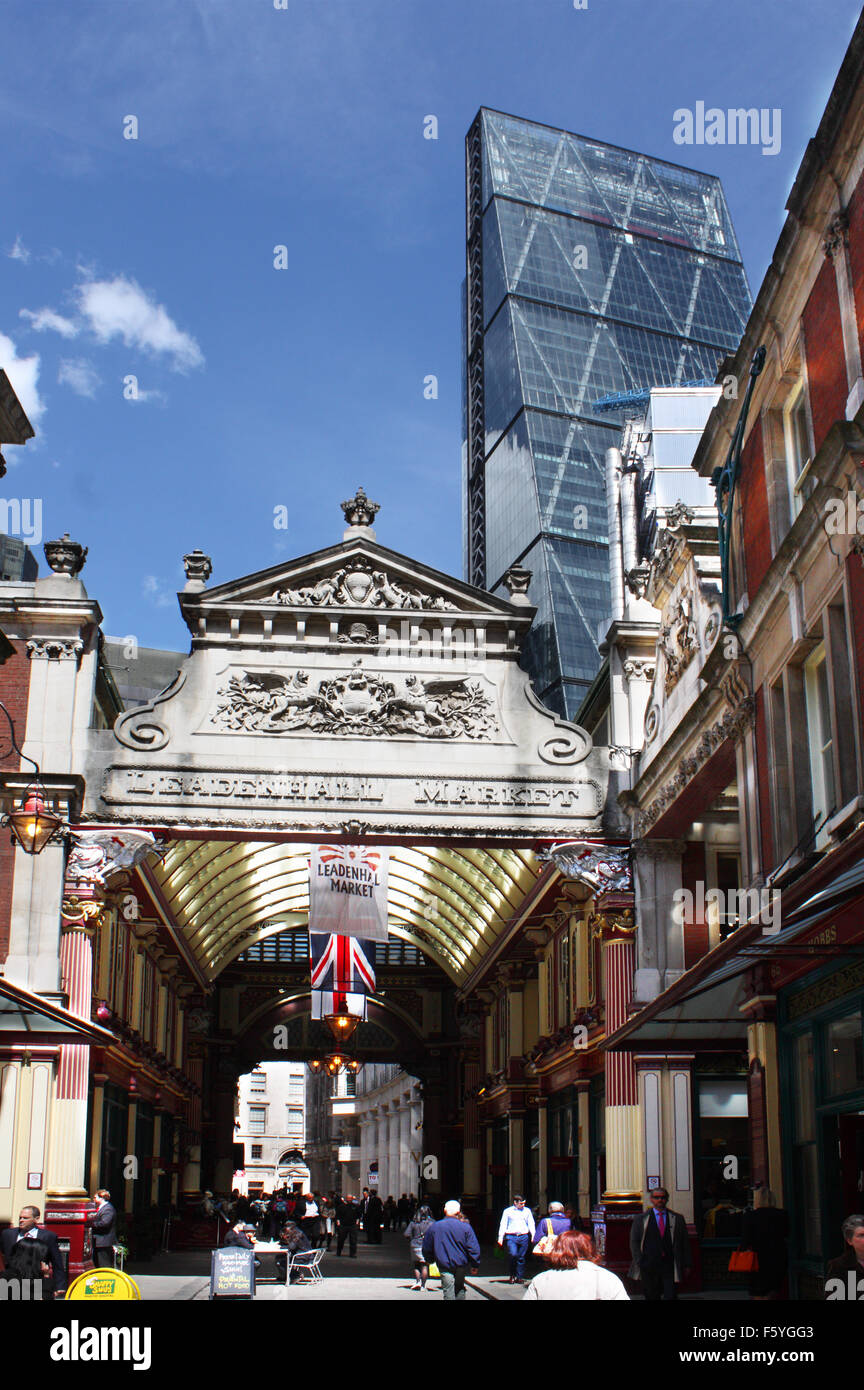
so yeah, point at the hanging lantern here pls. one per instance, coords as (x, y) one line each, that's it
(334, 1062)
(353, 1066)
(341, 1024)
(33, 824)
(315, 1065)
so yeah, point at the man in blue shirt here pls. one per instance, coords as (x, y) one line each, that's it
(517, 1228)
(452, 1245)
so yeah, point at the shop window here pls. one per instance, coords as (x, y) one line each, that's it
(723, 1171)
(844, 1068)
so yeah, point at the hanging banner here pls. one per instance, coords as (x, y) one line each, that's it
(348, 891)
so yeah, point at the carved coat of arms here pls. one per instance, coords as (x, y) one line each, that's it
(356, 704)
(360, 586)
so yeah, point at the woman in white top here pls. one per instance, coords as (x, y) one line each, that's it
(574, 1273)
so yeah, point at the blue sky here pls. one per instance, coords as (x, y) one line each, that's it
(262, 388)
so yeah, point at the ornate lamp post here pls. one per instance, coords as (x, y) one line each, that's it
(33, 823)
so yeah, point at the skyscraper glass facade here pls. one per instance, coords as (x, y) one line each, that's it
(590, 270)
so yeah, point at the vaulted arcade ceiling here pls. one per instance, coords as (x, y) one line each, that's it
(220, 897)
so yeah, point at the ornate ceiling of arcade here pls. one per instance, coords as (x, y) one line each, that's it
(451, 903)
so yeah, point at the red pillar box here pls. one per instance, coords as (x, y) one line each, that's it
(66, 1217)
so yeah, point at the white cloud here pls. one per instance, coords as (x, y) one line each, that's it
(19, 251)
(43, 319)
(81, 375)
(119, 308)
(23, 372)
(152, 588)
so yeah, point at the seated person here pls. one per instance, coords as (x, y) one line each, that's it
(292, 1239)
(243, 1235)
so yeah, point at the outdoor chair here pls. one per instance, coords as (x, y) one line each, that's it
(308, 1261)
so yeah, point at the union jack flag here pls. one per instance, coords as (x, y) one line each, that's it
(326, 1002)
(342, 964)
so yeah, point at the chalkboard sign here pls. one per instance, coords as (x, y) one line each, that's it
(232, 1272)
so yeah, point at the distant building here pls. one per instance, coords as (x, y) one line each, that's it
(590, 270)
(270, 1125)
(18, 564)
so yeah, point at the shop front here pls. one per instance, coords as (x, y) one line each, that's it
(821, 1036)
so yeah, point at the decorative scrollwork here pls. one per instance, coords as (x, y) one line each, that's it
(138, 728)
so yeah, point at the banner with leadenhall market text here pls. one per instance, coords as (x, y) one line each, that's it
(348, 891)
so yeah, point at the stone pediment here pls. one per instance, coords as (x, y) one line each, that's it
(359, 578)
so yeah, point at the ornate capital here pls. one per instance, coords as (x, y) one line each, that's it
(637, 669)
(836, 234)
(55, 648)
(79, 913)
(658, 849)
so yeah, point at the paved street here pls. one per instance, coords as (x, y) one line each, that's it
(379, 1272)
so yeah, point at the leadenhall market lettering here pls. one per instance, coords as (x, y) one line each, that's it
(166, 788)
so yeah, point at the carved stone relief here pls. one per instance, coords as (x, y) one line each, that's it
(356, 704)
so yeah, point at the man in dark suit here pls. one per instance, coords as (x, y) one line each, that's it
(103, 1224)
(660, 1248)
(53, 1266)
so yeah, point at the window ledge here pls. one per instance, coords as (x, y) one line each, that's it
(839, 826)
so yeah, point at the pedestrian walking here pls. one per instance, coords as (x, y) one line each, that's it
(403, 1211)
(452, 1245)
(373, 1218)
(347, 1220)
(390, 1214)
(660, 1248)
(310, 1218)
(764, 1231)
(517, 1230)
(549, 1227)
(575, 1273)
(103, 1224)
(415, 1231)
(328, 1219)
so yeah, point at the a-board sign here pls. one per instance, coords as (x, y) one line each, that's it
(232, 1272)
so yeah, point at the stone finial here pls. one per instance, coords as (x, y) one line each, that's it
(360, 513)
(199, 568)
(516, 582)
(65, 556)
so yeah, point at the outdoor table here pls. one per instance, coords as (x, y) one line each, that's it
(272, 1247)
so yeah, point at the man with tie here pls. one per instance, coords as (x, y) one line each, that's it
(49, 1265)
(103, 1224)
(660, 1248)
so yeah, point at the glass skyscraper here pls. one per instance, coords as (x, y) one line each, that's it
(591, 270)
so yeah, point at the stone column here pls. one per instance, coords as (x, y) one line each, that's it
(471, 1160)
(516, 1132)
(543, 1157)
(405, 1159)
(660, 945)
(623, 1139)
(69, 1150)
(763, 1085)
(96, 1123)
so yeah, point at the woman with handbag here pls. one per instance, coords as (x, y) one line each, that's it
(415, 1231)
(763, 1239)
